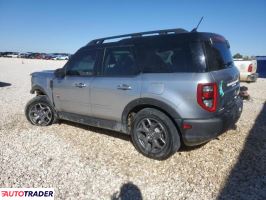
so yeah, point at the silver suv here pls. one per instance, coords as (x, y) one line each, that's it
(164, 88)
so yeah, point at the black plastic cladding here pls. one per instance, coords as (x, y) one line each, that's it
(132, 39)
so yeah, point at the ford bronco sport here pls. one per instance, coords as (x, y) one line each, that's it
(164, 88)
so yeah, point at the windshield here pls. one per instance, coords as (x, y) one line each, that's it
(218, 56)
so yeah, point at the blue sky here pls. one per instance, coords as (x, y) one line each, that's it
(65, 26)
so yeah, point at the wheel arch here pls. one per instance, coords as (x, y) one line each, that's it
(141, 103)
(38, 90)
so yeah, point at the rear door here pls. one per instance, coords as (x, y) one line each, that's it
(118, 84)
(221, 66)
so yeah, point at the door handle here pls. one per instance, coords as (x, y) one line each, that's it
(124, 87)
(80, 85)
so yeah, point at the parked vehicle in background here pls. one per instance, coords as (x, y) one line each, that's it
(37, 55)
(60, 57)
(48, 56)
(40, 56)
(10, 54)
(156, 86)
(13, 55)
(33, 55)
(24, 55)
(247, 69)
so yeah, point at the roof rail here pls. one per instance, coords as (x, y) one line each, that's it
(140, 34)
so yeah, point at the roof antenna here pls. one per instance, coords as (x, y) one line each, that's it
(195, 29)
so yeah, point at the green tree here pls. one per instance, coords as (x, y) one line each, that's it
(237, 55)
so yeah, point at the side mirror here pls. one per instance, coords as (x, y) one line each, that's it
(59, 73)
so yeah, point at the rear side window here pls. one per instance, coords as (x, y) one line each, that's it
(170, 57)
(218, 55)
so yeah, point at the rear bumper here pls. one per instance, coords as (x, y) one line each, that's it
(204, 130)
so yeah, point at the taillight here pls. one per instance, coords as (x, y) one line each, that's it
(207, 95)
(250, 68)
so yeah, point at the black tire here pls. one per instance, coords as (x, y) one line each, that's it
(42, 102)
(156, 138)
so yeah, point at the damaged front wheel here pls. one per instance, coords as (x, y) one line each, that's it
(39, 111)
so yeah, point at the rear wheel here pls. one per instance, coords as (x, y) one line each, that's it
(154, 134)
(39, 111)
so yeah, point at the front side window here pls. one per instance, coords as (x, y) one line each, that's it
(119, 61)
(82, 64)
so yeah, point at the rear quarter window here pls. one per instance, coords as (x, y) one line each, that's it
(218, 56)
(171, 57)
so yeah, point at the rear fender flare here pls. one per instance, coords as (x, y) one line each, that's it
(149, 102)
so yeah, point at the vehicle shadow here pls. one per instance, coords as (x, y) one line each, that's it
(3, 84)
(121, 136)
(247, 179)
(128, 191)
(107, 132)
(185, 148)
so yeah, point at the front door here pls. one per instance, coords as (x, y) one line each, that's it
(72, 93)
(119, 83)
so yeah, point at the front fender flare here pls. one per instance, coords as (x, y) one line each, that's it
(35, 88)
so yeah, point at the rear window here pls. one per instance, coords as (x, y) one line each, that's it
(163, 56)
(218, 56)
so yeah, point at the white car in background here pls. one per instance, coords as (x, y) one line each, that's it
(60, 57)
(247, 69)
(12, 55)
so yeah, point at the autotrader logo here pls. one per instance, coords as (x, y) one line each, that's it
(27, 193)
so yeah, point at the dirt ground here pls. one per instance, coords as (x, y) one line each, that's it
(82, 162)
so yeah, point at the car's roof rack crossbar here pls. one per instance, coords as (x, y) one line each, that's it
(140, 34)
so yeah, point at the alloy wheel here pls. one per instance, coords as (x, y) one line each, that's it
(40, 114)
(151, 135)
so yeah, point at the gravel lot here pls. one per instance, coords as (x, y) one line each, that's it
(81, 162)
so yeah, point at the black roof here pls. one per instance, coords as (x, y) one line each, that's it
(135, 38)
(139, 34)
